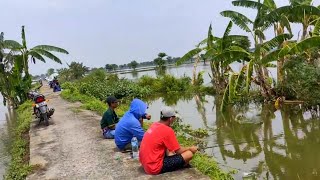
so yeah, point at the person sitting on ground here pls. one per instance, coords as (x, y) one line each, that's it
(109, 118)
(130, 125)
(160, 151)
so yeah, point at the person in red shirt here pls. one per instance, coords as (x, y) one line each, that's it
(160, 151)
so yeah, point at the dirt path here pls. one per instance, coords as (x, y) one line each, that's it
(71, 147)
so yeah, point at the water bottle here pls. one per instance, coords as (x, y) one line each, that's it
(135, 148)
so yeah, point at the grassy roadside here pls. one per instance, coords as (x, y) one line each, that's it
(205, 164)
(19, 165)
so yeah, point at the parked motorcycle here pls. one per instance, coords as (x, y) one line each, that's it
(40, 107)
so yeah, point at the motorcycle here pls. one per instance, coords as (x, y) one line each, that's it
(40, 108)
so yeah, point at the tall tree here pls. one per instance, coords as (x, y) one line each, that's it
(133, 65)
(77, 70)
(220, 52)
(50, 72)
(160, 61)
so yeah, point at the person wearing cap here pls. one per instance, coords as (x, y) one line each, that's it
(109, 118)
(160, 151)
(130, 125)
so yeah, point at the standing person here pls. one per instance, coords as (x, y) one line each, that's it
(130, 125)
(160, 151)
(109, 118)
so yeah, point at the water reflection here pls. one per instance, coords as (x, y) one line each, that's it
(7, 119)
(291, 154)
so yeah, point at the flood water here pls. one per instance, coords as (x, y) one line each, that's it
(258, 139)
(5, 136)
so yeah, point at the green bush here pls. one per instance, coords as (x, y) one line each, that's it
(166, 84)
(19, 166)
(301, 81)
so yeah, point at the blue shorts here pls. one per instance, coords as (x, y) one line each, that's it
(108, 134)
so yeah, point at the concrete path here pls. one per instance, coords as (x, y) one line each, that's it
(71, 147)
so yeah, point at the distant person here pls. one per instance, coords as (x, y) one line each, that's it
(109, 118)
(131, 125)
(160, 151)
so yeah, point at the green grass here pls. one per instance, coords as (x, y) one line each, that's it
(19, 166)
(91, 103)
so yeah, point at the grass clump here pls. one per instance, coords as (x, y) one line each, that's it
(19, 166)
(91, 103)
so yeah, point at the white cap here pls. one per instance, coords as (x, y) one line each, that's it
(167, 112)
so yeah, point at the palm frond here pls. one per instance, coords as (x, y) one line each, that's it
(205, 41)
(316, 30)
(272, 56)
(210, 38)
(1, 37)
(11, 44)
(275, 15)
(270, 4)
(249, 4)
(284, 51)
(23, 36)
(239, 19)
(228, 30)
(284, 21)
(48, 55)
(188, 56)
(298, 13)
(51, 48)
(241, 80)
(36, 55)
(233, 54)
(275, 42)
(302, 46)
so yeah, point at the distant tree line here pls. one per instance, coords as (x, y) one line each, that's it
(161, 60)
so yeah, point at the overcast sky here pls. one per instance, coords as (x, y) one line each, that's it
(97, 32)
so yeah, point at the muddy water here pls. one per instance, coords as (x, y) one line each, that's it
(256, 139)
(5, 136)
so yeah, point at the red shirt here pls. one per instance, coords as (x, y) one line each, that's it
(154, 144)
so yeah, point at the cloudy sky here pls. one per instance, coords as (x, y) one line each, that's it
(98, 32)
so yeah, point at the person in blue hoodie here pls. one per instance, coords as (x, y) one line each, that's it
(130, 124)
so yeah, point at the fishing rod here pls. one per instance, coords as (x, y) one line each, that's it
(243, 142)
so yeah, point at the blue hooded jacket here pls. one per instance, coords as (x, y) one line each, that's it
(129, 124)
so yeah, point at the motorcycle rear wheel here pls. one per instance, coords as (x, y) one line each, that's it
(45, 119)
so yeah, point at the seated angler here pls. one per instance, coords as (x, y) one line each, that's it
(109, 118)
(160, 151)
(130, 125)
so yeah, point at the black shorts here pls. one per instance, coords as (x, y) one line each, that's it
(172, 163)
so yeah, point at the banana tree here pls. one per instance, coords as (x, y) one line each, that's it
(240, 83)
(280, 24)
(14, 65)
(220, 52)
(256, 28)
(39, 52)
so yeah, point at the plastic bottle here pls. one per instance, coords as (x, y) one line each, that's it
(135, 148)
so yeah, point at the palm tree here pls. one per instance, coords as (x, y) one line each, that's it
(220, 52)
(159, 61)
(14, 66)
(38, 52)
(279, 24)
(256, 28)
